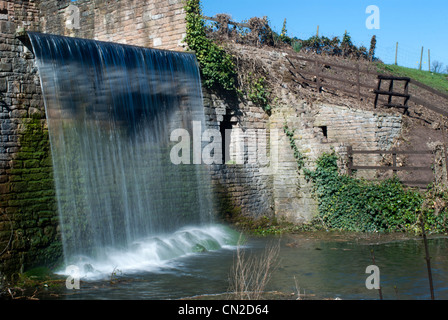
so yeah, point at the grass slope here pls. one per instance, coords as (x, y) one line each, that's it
(438, 81)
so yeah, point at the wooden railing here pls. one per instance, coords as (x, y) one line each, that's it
(394, 167)
(317, 76)
(371, 89)
(238, 24)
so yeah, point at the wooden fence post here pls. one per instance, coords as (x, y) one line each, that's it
(396, 53)
(349, 160)
(421, 60)
(358, 82)
(317, 76)
(378, 88)
(391, 88)
(394, 162)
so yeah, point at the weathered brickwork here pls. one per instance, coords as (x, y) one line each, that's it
(29, 221)
(23, 13)
(323, 128)
(281, 189)
(149, 23)
(363, 130)
(28, 214)
(245, 182)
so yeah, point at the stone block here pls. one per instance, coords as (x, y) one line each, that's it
(28, 88)
(7, 27)
(5, 188)
(3, 85)
(5, 67)
(157, 42)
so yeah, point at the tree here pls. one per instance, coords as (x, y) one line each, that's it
(437, 66)
(347, 39)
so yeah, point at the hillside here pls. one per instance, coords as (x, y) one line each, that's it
(287, 73)
(438, 81)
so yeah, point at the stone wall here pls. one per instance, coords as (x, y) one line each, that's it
(148, 23)
(244, 184)
(28, 216)
(361, 129)
(280, 189)
(23, 13)
(323, 128)
(28, 213)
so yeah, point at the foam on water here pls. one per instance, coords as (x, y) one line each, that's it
(153, 253)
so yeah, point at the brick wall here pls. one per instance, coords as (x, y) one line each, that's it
(148, 23)
(361, 129)
(343, 126)
(28, 216)
(27, 195)
(243, 184)
(23, 13)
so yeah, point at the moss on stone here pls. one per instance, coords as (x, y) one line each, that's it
(30, 201)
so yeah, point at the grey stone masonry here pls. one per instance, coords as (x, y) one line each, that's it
(148, 23)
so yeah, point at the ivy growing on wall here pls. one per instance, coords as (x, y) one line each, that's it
(300, 158)
(348, 203)
(216, 65)
(258, 93)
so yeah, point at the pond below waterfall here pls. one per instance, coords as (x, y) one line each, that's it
(316, 265)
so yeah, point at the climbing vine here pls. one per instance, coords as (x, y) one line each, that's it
(258, 93)
(348, 203)
(216, 65)
(300, 158)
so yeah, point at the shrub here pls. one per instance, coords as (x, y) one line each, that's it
(348, 203)
(216, 65)
(258, 93)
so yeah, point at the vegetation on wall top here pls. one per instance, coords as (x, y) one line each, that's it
(216, 65)
(334, 46)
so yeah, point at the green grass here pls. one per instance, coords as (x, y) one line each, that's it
(438, 81)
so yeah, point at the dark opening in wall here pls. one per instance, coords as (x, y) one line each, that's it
(324, 131)
(3, 10)
(225, 127)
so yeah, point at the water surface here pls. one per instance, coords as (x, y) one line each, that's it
(318, 266)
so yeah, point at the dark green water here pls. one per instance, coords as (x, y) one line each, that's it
(319, 266)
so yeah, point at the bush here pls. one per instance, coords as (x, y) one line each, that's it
(258, 93)
(332, 47)
(348, 203)
(216, 65)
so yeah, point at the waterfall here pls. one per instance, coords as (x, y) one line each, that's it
(110, 110)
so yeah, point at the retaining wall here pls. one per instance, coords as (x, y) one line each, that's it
(27, 198)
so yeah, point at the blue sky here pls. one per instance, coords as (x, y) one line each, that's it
(412, 23)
